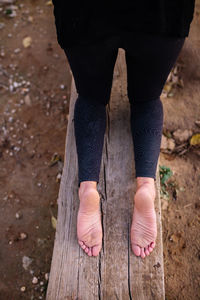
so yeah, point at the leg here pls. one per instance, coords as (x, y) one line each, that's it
(149, 62)
(92, 67)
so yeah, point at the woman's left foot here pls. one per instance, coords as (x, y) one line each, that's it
(144, 227)
(89, 227)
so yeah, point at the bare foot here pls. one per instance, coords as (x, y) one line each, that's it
(144, 227)
(89, 228)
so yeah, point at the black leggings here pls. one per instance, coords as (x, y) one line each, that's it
(149, 60)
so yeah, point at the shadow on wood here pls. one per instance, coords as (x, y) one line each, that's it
(116, 273)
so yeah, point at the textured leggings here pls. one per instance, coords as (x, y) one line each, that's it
(149, 60)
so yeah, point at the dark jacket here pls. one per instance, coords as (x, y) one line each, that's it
(81, 22)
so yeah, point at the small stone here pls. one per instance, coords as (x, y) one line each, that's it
(10, 119)
(167, 143)
(17, 50)
(41, 282)
(34, 280)
(58, 176)
(46, 276)
(23, 236)
(181, 136)
(18, 215)
(23, 289)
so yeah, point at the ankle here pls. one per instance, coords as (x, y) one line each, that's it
(145, 196)
(145, 180)
(87, 185)
(89, 198)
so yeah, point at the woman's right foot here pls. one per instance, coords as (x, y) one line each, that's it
(144, 228)
(89, 227)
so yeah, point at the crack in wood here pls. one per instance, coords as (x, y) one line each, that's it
(78, 273)
(102, 222)
(108, 120)
(99, 278)
(129, 288)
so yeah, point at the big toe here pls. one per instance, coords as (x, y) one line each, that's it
(136, 249)
(96, 249)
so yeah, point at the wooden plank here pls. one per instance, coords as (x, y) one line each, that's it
(116, 273)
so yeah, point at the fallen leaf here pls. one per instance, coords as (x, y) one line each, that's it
(53, 222)
(195, 139)
(27, 41)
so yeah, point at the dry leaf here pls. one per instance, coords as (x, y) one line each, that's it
(195, 139)
(53, 222)
(27, 41)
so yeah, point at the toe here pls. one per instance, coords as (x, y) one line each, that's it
(90, 251)
(86, 250)
(142, 253)
(150, 248)
(136, 249)
(80, 242)
(95, 250)
(146, 251)
(83, 246)
(152, 245)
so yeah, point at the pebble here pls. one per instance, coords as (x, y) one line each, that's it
(46, 276)
(18, 215)
(181, 136)
(23, 236)
(10, 119)
(58, 176)
(34, 280)
(17, 50)
(17, 148)
(23, 289)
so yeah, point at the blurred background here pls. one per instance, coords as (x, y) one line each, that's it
(35, 80)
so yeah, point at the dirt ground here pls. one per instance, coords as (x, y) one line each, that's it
(35, 88)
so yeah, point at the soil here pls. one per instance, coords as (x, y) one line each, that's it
(34, 105)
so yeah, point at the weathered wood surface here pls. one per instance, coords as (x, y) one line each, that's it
(116, 273)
